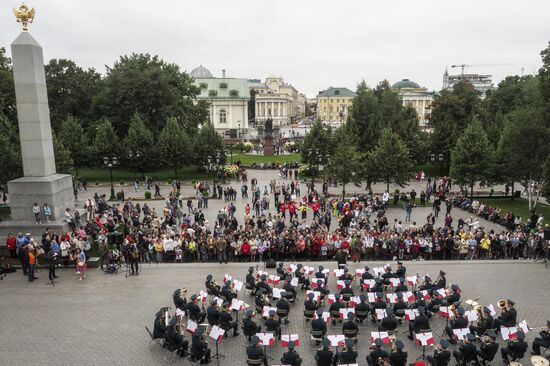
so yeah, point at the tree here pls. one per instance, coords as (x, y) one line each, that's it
(316, 139)
(345, 164)
(71, 91)
(63, 162)
(252, 107)
(139, 141)
(75, 141)
(157, 90)
(545, 191)
(173, 144)
(10, 151)
(388, 161)
(472, 156)
(544, 77)
(523, 149)
(105, 143)
(7, 88)
(208, 143)
(363, 123)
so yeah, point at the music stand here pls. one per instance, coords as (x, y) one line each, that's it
(269, 337)
(424, 339)
(217, 334)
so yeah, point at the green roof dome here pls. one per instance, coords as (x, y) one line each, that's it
(405, 83)
(201, 72)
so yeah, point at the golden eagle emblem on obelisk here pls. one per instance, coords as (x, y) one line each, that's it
(24, 15)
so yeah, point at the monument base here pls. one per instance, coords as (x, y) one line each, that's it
(24, 227)
(56, 190)
(268, 146)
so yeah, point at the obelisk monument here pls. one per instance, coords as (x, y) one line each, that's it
(40, 183)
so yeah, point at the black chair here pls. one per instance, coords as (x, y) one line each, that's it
(257, 362)
(283, 313)
(159, 341)
(309, 314)
(361, 315)
(351, 333)
(335, 315)
(289, 296)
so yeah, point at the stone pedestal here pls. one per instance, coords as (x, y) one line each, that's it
(268, 146)
(56, 190)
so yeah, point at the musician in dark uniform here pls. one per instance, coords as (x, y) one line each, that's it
(401, 271)
(441, 356)
(402, 287)
(302, 280)
(159, 326)
(263, 285)
(194, 310)
(335, 307)
(175, 339)
(324, 355)
(377, 286)
(250, 279)
(366, 275)
(226, 320)
(291, 357)
(488, 347)
(350, 325)
(399, 307)
(376, 353)
(272, 325)
(319, 323)
(454, 296)
(255, 351)
(387, 274)
(282, 304)
(347, 291)
(398, 357)
(250, 327)
(211, 288)
(483, 324)
(321, 288)
(228, 291)
(347, 355)
(441, 281)
(542, 341)
(459, 322)
(281, 271)
(420, 322)
(419, 302)
(199, 347)
(346, 276)
(427, 285)
(310, 304)
(362, 307)
(319, 275)
(289, 288)
(515, 349)
(378, 304)
(179, 302)
(389, 323)
(341, 258)
(508, 317)
(212, 314)
(467, 352)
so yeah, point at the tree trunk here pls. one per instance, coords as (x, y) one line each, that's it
(176, 171)
(343, 191)
(513, 191)
(472, 190)
(388, 186)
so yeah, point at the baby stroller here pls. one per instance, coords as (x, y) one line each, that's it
(113, 262)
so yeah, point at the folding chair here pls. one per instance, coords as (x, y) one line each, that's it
(309, 314)
(316, 335)
(159, 341)
(257, 362)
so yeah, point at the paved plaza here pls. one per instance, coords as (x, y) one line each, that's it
(101, 320)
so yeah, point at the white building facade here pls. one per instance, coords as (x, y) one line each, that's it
(417, 97)
(275, 99)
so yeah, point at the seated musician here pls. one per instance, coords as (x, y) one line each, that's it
(484, 323)
(421, 322)
(302, 280)
(272, 325)
(212, 314)
(350, 326)
(179, 302)
(310, 304)
(377, 286)
(346, 276)
(211, 287)
(515, 349)
(321, 288)
(387, 274)
(289, 288)
(226, 320)
(347, 291)
(250, 327)
(441, 281)
(324, 356)
(228, 291)
(362, 307)
(378, 304)
(389, 323)
(159, 327)
(488, 347)
(255, 351)
(366, 275)
(319, 275)
(467, 352)
(250, 279)
(319, 323)
(199, 347)
(281, 271)
(194, 310)
(291, 358)
(335, 308)
(399, 307)
(401, 271)
(398, 357)
(348, 355)
(459, 322)
(264, 285)
(508, 317)
(542, 341)
(282, 304)
(175, 339)
(376, 353)
(427, 285)
(402, 287)
(441, 356)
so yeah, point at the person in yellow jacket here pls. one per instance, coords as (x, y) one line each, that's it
(484, 245)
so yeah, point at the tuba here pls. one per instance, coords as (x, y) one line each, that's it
(502, 305)
(479, 310)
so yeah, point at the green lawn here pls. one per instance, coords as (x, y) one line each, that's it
(91, 175)
(249, 159)
(519, 206)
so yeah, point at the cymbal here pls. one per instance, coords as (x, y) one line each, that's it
(514, 363)
(539, 361)
(472, 302)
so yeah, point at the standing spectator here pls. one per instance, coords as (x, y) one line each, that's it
(36, 211)
(32, 262)
(11, 243)
(90, 207)
(221, 248)
(51, 258)
(47, 211)
(80, 258)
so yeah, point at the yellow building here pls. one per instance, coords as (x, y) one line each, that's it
(333, 104)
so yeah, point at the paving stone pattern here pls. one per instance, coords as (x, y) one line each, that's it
(101, 320)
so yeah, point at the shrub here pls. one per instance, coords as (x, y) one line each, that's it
(147, 195)
(121, 182)
(119, 196)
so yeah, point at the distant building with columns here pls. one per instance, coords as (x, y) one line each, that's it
(228, 99)
(417, 97)
(275, 99)
(333, 104)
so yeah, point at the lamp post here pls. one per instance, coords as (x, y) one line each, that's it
(213, 163)
(319, 158)
(110, 162)
(439, 160)
(136, 154)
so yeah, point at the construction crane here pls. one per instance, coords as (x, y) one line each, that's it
(462, 66)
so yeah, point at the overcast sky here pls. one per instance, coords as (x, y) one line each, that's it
(311, 44)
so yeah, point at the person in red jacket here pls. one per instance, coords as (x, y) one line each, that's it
(12, 245)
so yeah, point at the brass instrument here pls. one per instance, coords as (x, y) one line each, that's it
(502, 305)
(184, 291)
(540, 329)
(216, 285)
(478, 309)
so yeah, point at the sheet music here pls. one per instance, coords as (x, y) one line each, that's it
(340, 284)
(266, 310)
(461, 333)
(277, 293)
(344, 312)
(227, 277)
(338, 272)
(411, 314)
(509, 333)
(238, 285)
(524, 326)
(266, 339)
(381, 313)
(237, 304)
(285, 338)
(216, 333)
(325, 316)
(369, 283)
(191, 326)
(180, 312)
(294, 281)
(492, 309)
(219, 301)
(425, 339)
(394, 282)
(316, 294)
(409, 295)
(384, 336)
(471, 315)
(412, 280)
(371, 296)
(392, 298)
(336, 340)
